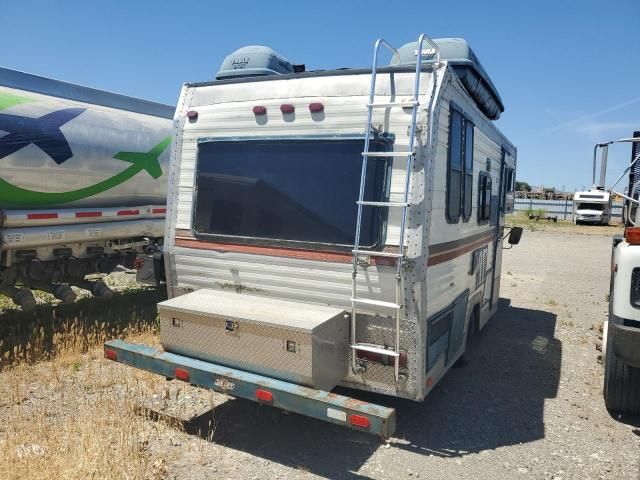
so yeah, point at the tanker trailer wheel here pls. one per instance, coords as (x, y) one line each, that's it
(621, 382)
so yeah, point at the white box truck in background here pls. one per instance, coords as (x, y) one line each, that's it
(592, 206)
(82, 184)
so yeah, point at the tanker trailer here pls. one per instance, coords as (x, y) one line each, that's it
(82, 185)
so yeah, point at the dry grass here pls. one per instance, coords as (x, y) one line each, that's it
(66, 412)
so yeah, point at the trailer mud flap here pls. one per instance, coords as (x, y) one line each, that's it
(330, 407)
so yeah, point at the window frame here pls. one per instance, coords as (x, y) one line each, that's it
(465, 205)
(484, 210)
(386, 143)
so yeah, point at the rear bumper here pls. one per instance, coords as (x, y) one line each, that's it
(625, 342)
(349, 412)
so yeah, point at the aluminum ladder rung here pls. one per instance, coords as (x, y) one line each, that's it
(376, 303)
(378, 254)
(374, 349)
(388, 154)
(383, 204)
(410, 104)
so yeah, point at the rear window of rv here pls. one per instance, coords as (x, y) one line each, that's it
(289, 190)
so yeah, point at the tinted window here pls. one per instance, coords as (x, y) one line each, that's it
(454, 174)
(484, 197)
(468, 170)
(288, 190)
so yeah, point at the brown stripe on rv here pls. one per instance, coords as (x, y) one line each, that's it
(441, 252)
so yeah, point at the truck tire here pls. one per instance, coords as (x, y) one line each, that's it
(621, 382)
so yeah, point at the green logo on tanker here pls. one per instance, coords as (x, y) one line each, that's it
(25, 130)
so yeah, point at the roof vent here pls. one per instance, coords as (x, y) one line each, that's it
(458, 53)
(254, 61)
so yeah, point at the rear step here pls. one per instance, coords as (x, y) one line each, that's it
(320, 404)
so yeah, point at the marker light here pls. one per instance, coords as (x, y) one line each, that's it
(182, 374)
(110, 354)
(259, 110)
(632, 235)
(41, 216)
(359, 421)
(316, 107)
(287, 108)
(192, 115)
(264, 395)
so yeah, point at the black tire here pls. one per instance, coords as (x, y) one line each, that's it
(621, 382)
(472, 333)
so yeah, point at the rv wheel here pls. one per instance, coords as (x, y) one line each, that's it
(621, 382)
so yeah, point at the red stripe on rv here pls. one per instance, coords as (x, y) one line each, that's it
(128, 212)
(158, 210)
(88, 214)
(41, 216)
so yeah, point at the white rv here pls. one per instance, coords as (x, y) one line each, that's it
(367, 201)
(592, 206)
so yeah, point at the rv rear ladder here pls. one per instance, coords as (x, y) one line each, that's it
(404, 205)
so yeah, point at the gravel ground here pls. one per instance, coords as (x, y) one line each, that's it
(529, 404)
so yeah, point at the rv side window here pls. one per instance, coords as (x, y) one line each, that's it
(484, 197)
(468, 171)
(459, 168)
(454, 173)
(280, 191)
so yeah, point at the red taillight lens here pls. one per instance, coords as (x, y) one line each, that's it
(182, 374)
(264, 395)
(632, 235)
(259, 110)
(316, 107)
(192, 115)
(110, 354)
(381, 358)
(138, 263)
(359, 421)
(287, 108)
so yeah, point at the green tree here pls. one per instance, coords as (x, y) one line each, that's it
(523, 186)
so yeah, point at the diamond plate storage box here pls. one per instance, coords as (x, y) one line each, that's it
(297, 342)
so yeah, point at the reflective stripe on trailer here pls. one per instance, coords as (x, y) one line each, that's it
(30, 218)
(320, 404)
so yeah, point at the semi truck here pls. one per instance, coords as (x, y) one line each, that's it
(621, 332)
(82, 185)
(335, 228)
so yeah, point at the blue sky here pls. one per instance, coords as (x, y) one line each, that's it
(568, 71)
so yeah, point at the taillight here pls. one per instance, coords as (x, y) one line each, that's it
(259, 110)
(110, 354)
(359, 421)
(192, 115)
(287, 108)
(316, 107)
(182, 374)
(264, 395)
(632, 235)
(376, 357)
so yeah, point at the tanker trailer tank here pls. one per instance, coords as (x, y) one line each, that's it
(82, 185)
